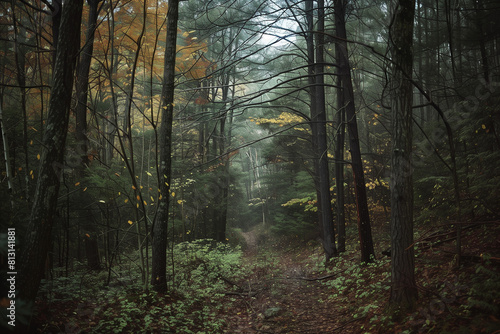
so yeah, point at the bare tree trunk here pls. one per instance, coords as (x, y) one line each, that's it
(339, 170)
(20, 60)
(38, 239)
(8, 168)
(364, 227)
(321, 140)
(56, 11)
(160, 227)
(403, 289)
(82, 83)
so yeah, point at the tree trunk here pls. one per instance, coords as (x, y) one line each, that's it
(20, 60)
(339, 170)
(324, 206)
(8, 169)
(55, 9)
(403, 289)
(92, 252)
(364, 227)
(321, 140)
(82, 83)
(160, 227)
(38, 239)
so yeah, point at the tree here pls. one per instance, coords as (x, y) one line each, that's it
(319, 116)
(82, 82)
(160, 227)
(364, 227)
(315, 62)
(38, 239)
(403, 288)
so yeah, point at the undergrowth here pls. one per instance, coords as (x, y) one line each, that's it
(201, 274)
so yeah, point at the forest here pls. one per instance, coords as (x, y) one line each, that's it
(250, 166)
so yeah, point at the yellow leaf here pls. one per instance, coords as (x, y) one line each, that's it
(31, 172)
(88, 236)
(38, 156)
(119, 193)
(160, 197)
(173, 194)
(31, 142)
(117, 174)
(179, 201)
(85, 189)
(483, 127)
(145, 203)
(126, 200)
(138, 197)
(133, 187)
(130, 222)
(152, 199)
(137, 205)
(149, 173)
(77, 184)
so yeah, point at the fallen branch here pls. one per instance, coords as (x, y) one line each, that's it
(243, 293)
(311, 279)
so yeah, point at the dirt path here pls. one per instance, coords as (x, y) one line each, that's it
(279, 299)
(250, 240)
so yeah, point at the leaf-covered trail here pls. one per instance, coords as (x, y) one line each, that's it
(284, 296)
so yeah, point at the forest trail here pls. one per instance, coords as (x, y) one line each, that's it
(250, 240)
(286, 296)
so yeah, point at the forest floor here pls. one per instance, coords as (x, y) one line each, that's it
(287, 288)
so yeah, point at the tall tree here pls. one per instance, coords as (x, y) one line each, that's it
(321, 140)
(315, 59)
(364, 227)
(38, 239)
(339, 169)
(403, 288)
(8, 169)
(82, 82)
(160, 227)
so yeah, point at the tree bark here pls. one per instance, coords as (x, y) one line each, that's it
(160, 227)
(364, 227)
(321, 140)
(82, 83)
(339, 170)
(8, 169)
(38, 239)
(317, 107)
(20, 60)
(403, 289)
